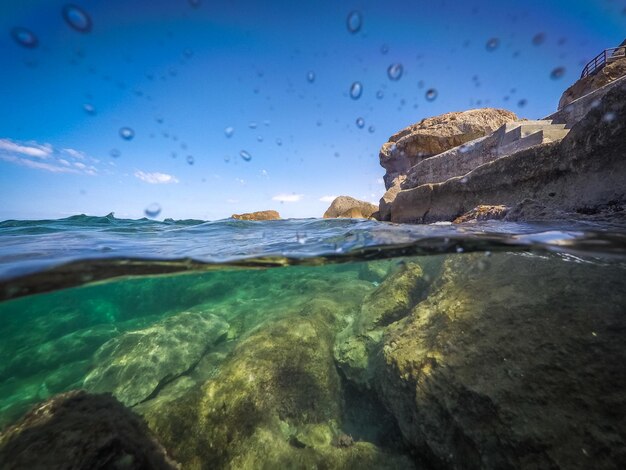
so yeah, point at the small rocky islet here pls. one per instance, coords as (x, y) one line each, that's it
(469, 360)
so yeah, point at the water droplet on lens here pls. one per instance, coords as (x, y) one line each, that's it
(521, 103)
(194, 3)
(371, 129)
(557, 73)
(89, 108)
(153, 210)
(354, 21)
(492, 44)
(245, 155)
(431, 94)
(380, 94)
(252, 125)
(279, 142)
(384, 49)
(310, 77)
(609, 117)
(190, 159)
(115, 153)
(76, 18)
(356, 89)
(394, 72)
(127, 133)
(360, 122)
(188, 53)
(259, 138)
(539, 39)
(229, 131)
(24, 37)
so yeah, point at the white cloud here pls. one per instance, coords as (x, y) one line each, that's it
(75, 153)
(46, 157)
(328, 198)
(30, 149)
(288, 197)
(155, 177)
(37, 165)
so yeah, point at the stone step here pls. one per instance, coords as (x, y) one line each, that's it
(527, 141)
(527, 128)
(554, 133)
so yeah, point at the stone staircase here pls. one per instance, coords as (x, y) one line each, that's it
(507, 140)
(525, 134)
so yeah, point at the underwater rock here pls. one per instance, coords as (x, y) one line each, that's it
(583, 170)
(358, 344)
(134, 365)
(346, 206)
(81, 431)
(482, 212)
(259, 215)
(434, 135)
(509, 363)
(75, 346)
(274, 403)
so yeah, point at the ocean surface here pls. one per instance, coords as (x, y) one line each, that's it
(333, 343)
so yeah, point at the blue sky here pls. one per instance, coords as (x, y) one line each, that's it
(179, 74)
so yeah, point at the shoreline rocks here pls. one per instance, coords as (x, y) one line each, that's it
(349, 207)
(259, 215)
(573, 176)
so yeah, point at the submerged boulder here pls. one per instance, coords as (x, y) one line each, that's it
(259, 215)
(358, 345)
(276, 402)
(135, 364)
(348, 207)
(510, 362)
(78, 430)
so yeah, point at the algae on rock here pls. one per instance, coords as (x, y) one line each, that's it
(509, 363)
(132, 366)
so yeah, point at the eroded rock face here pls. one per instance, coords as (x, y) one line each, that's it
(509, 363)
(434, 135)
(79, 430)
(259, 215)
(584, 170)
(133, 365)
(346, 206)
(591, 83)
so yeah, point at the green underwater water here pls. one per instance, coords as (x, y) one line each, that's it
(473, 360)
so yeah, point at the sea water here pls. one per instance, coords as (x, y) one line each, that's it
(324, 343)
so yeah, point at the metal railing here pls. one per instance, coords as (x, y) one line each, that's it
(602, 59)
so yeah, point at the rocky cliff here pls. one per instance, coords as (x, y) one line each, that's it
(564, 168)
(434, 135)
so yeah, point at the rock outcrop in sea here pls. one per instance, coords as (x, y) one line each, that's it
(349, 207)
(570, 163)
(259, 215)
